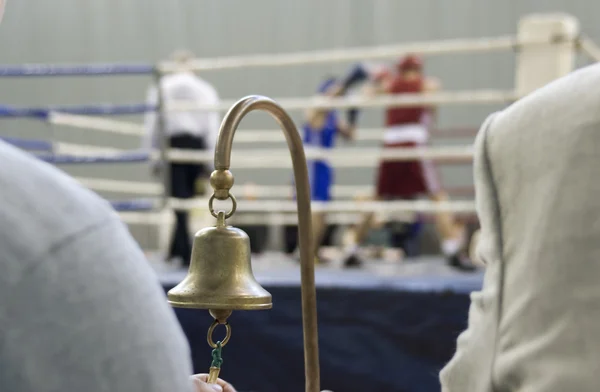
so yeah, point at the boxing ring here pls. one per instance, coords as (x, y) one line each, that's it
(410, 314)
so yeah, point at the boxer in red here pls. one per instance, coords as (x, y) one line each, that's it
(408, 127)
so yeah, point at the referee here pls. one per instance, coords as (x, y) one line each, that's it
(192, 130)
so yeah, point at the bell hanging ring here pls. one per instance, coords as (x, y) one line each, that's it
(220, 275)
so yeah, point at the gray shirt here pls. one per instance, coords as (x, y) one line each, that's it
(80, 308)
(535, 324)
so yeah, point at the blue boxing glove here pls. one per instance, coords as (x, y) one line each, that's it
(357, 74)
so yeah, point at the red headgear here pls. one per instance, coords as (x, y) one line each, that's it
(410, 62)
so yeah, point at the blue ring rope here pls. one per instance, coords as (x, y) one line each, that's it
(75, 70)
(72, 159)
(39, 113)
(44, 150)
(132, 205)
(89, 110)
(42, 146)
(43, 113)
(105, 109)
(29, 144)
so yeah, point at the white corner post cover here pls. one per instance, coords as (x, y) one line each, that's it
(540, 64)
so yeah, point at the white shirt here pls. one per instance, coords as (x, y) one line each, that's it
(183, 87)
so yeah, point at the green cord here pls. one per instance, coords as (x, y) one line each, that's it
(216, 356)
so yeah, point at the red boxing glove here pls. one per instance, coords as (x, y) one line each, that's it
(380, 73)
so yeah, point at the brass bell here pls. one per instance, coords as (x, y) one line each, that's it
(220, 275)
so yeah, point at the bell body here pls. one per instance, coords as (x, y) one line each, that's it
(220, 274)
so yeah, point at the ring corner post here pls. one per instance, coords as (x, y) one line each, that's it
(163, 144)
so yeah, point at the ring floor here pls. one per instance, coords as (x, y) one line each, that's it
(416, 274)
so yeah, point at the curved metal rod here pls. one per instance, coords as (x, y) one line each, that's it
(307, 261)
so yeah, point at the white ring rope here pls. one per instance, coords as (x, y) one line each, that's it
(468, 45)
(85, 150)
(347, 157)
(96, 123)
(363, 134)
(283, 206)
(279, 213)
(274, 219)
(119, 186)
(361, 101)
(405, 100)
(242, 135)
(244, 191)
(158, 219)
(279, 158)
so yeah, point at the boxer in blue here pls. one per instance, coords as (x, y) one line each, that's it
(321, 128)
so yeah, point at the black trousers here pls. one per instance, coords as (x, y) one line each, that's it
(183, 186)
